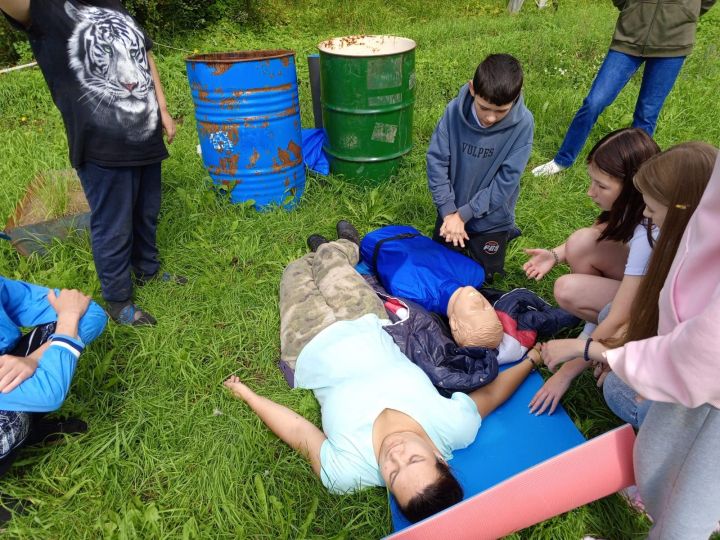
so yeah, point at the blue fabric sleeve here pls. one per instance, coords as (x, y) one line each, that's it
(504, 185)
(92, 323)
(438, 167)
(45, 391)
(27, 305)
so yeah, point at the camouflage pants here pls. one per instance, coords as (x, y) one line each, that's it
(318, 290)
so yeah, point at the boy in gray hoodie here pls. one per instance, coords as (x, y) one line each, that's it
(477, 154)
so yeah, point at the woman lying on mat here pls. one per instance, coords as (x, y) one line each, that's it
(608, 259)
(676, 365)
(384, 424)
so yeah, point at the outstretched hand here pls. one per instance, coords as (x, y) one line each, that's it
(540, 263)
(239, 389)
(549, 396)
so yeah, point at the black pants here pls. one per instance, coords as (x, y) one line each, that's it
(124, 205)
(486, 248)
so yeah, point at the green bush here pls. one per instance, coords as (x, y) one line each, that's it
(158, 17)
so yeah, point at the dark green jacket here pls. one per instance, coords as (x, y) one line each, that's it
(657, 27)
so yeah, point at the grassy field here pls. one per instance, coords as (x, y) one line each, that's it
(168, 453)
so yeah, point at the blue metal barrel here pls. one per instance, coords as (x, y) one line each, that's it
(248, 123)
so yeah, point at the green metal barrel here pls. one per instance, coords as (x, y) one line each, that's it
(368, 92)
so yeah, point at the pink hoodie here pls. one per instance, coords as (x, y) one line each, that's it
(682, 364)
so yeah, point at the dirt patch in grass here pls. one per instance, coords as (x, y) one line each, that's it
(51, 195)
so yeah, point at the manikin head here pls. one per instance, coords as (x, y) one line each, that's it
(417, 475)
(473, 321)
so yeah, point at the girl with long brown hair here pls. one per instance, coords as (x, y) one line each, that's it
(676, 458)
(607, 259)
(672, 184)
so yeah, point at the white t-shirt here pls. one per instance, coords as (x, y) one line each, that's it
(357, 371)
(640, 251)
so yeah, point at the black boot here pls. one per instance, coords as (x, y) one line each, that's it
(314, 241)
(347, 231)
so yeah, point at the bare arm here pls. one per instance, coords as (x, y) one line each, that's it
(297, 432)
(18, 10)
(491, 396)
(619, 314)
(167, 121)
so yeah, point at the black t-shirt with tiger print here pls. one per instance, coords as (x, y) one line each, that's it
(93, 56)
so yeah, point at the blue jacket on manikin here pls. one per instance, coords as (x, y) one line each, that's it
(412, 266)
(475, 170)
(26, 305)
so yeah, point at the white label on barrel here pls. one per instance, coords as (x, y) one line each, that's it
(384, 72)
(384, 132)
(392, 99)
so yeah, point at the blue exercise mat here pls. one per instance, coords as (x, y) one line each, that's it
(510, 440)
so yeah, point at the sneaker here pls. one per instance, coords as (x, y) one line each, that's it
(548, 169)
(347, 231)
(164, 277)
(314, 241)
(129, 314)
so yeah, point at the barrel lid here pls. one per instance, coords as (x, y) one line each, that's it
(362, 46)
(240, 56)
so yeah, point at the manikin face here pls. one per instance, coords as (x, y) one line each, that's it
(604, 189)
(488, 113)
(407, 464)
(654, 210)
(473, 321)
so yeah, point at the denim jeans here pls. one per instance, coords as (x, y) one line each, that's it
(124, 204)
(624, 401)
(614, 73)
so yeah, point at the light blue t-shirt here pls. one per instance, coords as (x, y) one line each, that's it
(357, 371)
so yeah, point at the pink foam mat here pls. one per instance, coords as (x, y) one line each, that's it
(593, 470)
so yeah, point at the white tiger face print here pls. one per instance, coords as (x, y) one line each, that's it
(107, 53)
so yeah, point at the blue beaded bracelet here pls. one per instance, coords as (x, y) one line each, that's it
(587, 349)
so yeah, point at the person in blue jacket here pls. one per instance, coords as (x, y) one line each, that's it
(36, 368)
(476, 156)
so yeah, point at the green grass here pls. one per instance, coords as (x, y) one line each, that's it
(168, 453)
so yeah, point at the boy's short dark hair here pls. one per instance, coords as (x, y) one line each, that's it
(498, 79)
(441, 494)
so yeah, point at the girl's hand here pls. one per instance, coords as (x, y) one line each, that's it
(550, 394)
(238, 388)
(540, 263)
(600, 372)
(558, 351)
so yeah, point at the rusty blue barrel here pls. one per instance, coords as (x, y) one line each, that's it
(248, 123)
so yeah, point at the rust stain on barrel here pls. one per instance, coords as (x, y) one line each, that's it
(253, 158)
(295, 149)
(229, 164)
(219, 67)
(228, 103)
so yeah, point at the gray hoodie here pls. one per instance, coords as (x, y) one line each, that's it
(476, 170)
